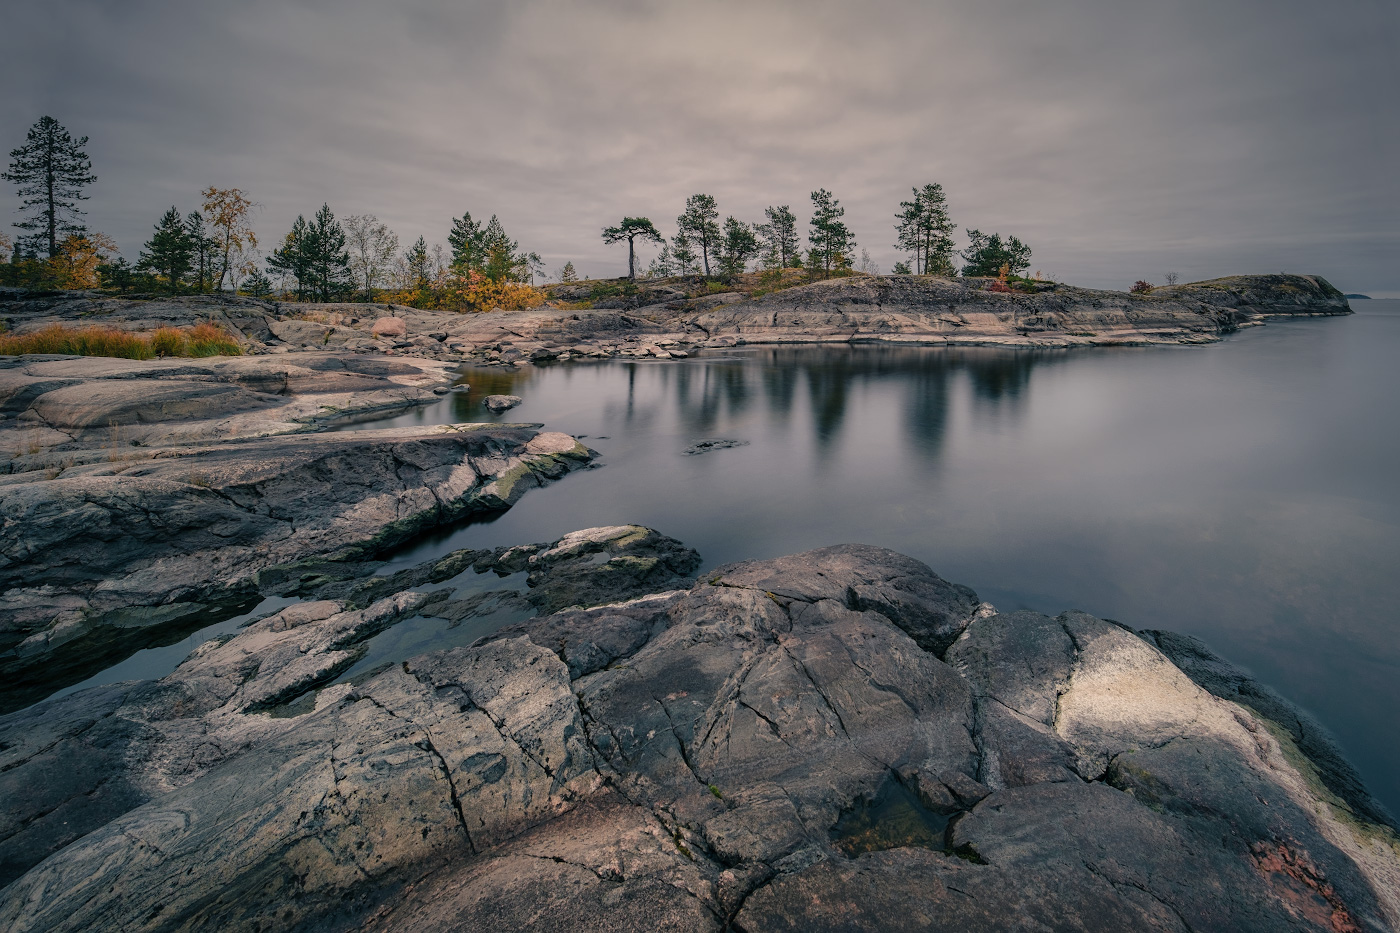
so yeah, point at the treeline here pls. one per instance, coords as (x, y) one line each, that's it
(215, 248)
(923, 230)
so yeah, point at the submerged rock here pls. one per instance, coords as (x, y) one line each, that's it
(834, 740)
(714, 443)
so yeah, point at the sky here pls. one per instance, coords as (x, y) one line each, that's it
(1120, 139)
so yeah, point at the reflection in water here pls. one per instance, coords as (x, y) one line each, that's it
(1243, 493)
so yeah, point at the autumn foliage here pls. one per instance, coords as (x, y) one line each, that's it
(201, 340)
(1140, 287)
(470, 293)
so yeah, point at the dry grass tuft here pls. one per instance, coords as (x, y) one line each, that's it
(205, 339)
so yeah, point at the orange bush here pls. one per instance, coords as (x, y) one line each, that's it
(472, 293)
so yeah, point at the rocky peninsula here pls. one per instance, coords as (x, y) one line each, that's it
(836, 740)
(672, 318)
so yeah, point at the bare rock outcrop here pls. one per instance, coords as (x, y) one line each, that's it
(838, 740)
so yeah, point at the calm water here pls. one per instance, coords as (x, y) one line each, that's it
(1245, 493)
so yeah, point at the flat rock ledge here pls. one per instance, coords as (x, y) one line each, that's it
(836, 740)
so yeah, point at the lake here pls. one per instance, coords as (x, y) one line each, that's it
(1245, 492)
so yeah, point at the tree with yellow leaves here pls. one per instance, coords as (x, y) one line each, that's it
(78, 257)
(226, 210)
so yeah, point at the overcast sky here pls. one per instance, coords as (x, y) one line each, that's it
(1120, 139)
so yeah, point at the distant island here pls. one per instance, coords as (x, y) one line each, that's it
(1367, 297)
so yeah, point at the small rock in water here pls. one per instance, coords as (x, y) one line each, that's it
(714, 443)
(499, 403)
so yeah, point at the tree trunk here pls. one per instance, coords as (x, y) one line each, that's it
(631, 260)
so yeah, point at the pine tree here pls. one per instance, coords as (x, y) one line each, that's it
(781, 249)
(500, 261)
(291, 258)
(683, 254)
(663, 264)
(327, 259)
(738, 244)
(925, 231)
(203, 252)
(567, 274)
(467, 242)
(698, 228)
(985, 255)
(257, 285)
(168, 253)
(418, 263)
(50, 169)
(629, 230)
(830, 241)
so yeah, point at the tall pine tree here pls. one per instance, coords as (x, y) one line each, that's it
(925, 232)
(698, 227)
(830, 241)
(50, 169)
(327, 259)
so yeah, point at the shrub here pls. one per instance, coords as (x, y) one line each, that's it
(1140, 287)
(471, 293)
(997, 285)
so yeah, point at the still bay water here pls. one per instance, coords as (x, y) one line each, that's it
(1247, 493)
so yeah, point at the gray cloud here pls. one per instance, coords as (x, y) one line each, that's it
(1121, 140)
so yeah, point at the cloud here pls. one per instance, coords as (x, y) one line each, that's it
(1120, 140)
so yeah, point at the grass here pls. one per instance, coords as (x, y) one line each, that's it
(205, 339)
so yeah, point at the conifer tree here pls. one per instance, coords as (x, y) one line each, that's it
(327, 259)
(698, 228)
(418, 264)
(985, 255)
(781, 249)
(567, 274)
(466, 239)
(830, 241)
(500, 261)
(629, 230)
(291, 258)
(168, 253)
(257, 285)
(203, 252)
(50, 169)
(925, 231)
(738, 244)
(683, 254)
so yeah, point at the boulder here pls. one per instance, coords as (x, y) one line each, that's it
(499, 403)
(389, 327)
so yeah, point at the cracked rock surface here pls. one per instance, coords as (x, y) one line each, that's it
(687, 759)
(140, 496)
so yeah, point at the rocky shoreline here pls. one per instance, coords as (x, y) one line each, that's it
(833, 740)
(673, 318)
(144, 499)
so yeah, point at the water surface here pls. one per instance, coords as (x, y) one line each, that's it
(1245, 493)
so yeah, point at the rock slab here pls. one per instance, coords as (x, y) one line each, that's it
(686, 760)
